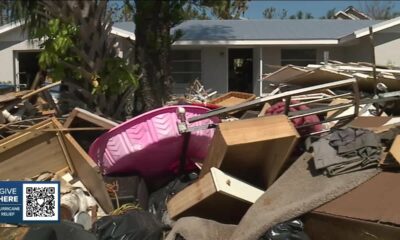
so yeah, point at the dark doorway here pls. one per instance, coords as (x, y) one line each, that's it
(240, 70)
(28, 67)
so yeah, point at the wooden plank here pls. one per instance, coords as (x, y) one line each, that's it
(232, 196)
(87, 171)
(32, 157)
(286, 72)
(27, 96)
(89, 117)
(19, 138)
(64, 150)
(232, 99)
(395, 149)
(254, 150)
(7, 97)
(264, 109)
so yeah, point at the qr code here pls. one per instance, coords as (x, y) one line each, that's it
(40, 202)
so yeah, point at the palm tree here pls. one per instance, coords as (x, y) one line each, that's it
(100, 78)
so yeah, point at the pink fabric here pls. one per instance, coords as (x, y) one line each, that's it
(150, 144)
(279, 108)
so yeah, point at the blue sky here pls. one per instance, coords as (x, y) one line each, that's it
(316, 8)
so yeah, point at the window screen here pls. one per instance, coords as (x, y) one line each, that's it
(299, 57)
(186, 65)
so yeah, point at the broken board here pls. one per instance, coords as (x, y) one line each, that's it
(29, 153)
(83, 118)
(215, 196)
(79, 113)
(254, 150)
(36, 150)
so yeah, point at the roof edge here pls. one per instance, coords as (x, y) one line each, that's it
(256, 42)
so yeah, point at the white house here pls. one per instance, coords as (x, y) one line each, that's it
(233, 54)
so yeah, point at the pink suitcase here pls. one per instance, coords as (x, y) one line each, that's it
(150, 144)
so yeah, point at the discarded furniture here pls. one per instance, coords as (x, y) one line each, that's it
(150, 144)
(215, 196)
(254, 150)
(43, 147)
(232, 99)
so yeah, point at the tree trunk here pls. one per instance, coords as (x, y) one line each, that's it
(153, 43)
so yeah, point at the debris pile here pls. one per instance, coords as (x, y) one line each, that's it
(315, 157)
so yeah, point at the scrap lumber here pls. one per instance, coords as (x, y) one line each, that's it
(255, 150)
(305, 77)
(39, 90)
(232, 98)
(79, 113)
(86, 170)
(215, 196)
(7, 97)
(394, 150)
(32, 152)
(257, 102)
(286, 72)
(80, 119)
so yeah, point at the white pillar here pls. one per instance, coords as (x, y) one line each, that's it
(261, 71)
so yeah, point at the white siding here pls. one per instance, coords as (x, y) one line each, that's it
(257, 55)
(7, 53)
(271, 56)
(360, 52)
(387, 48)
(11, 42)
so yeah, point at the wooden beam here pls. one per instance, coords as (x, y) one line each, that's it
(24, 155)
(86, 170)
(26, 96)
(89, 117)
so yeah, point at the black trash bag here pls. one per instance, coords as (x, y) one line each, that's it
(290, 230)
(133, 225)
(65, 230)
(158, 199)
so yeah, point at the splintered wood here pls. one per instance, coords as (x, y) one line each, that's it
(32, 152)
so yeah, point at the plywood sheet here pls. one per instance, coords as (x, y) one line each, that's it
(88, 172)
(285, 73)
(27, 154)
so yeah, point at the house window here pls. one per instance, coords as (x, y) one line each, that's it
(186, 65)
(299, 57)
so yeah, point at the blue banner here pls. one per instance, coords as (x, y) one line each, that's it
(29, 202)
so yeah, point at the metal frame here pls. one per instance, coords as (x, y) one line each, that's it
(287, 96)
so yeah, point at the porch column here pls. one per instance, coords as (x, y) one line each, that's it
(257, 70)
